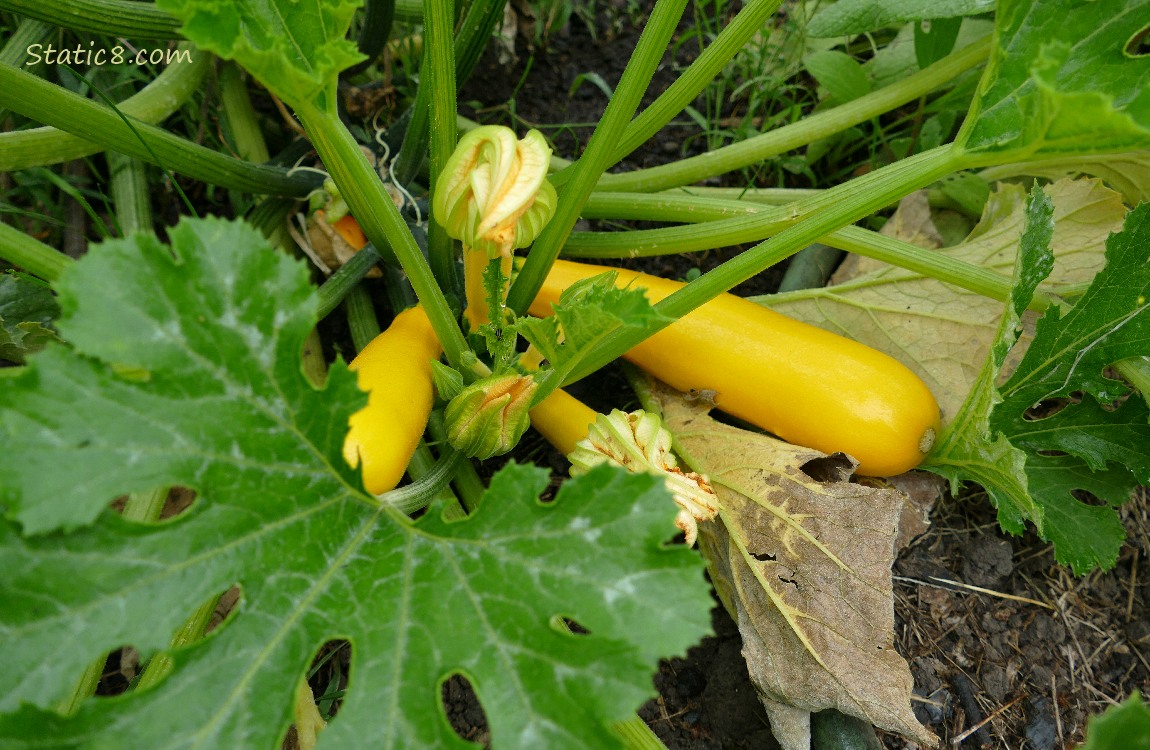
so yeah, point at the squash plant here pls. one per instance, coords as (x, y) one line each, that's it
(182, 367)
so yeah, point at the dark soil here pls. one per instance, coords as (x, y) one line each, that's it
(1008, 649)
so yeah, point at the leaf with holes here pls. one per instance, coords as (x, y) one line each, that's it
(1033, 465)
(1063, 79)
(185, 369)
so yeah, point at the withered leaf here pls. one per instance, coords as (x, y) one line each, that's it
(802, 559)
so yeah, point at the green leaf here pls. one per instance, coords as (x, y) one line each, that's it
(1122, 727)
(296, 49)
(860, 16)
(934, 39)
(840, 74)
(211, 332)
(1102, 434)
(27, 309)
(586, 313)
(1061, 81)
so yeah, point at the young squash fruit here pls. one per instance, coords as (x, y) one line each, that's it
(806, 385)
(395, 369)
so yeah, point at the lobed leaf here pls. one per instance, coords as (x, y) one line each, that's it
(1062, 81)
(296, 49)
(186, 370)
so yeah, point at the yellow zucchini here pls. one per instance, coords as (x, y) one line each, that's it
(806, 385)
(395, 369)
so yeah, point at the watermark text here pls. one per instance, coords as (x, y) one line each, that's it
(96, 56)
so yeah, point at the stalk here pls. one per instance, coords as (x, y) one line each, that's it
(812, 128)
(719, 223)
(636, 735)
(154, 103)
(45, 102)
(698, 75)
(833, 209)
(130, 194)
(600, 149)
(380, 220)
(112, 17)
(344, 282)
(30, 254)
(361, 320)
(474, 33)
(15, 51)
(439, 67)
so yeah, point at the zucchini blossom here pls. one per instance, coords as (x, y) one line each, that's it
(489, 416)
(640, 443)
(493, 195)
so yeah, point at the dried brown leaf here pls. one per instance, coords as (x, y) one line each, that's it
(802, 559)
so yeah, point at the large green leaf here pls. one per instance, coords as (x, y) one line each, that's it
(186, 370)
(297, 49)
(1097, 441)
(1062, 81)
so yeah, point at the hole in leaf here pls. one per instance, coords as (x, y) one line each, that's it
(316, 699)
(833, 468)
(567, 626)
(120, 668)
(462, 709)
(142, 505)
(791, 581)
(1050, 407)
(1139, 44)
(764, 556)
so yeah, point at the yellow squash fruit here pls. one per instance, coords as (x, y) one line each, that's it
(395, 370)
(806, 385)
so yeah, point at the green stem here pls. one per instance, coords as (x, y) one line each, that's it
(112, 17)
(752, 223)
(468, 485)
(1137, 371)
(380, 220)
(825, 213)
(44, 102)
(85, 687)
(34, 147)
(808, 130)
(597, 157)
(130, 194)
(698, 75)
(240, 116)
(191, 631)
(30, 254)
(636, 735)
(361, 321)
(15, 50)
(439, 68)
(430, 479)
(345, 281)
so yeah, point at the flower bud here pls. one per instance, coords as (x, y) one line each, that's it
(639, 442)
(489, 416)
(493, 193)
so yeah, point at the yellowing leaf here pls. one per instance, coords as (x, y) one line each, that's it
(941, 332)
(802, 561)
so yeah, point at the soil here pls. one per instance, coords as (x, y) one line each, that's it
(1008, 649)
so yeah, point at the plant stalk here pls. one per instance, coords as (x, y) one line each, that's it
(597, 157)
(21, 149)
(45, 102)
(381, 222)
(124, 18)
(30, 254)
(824, 214)
(810, 129)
